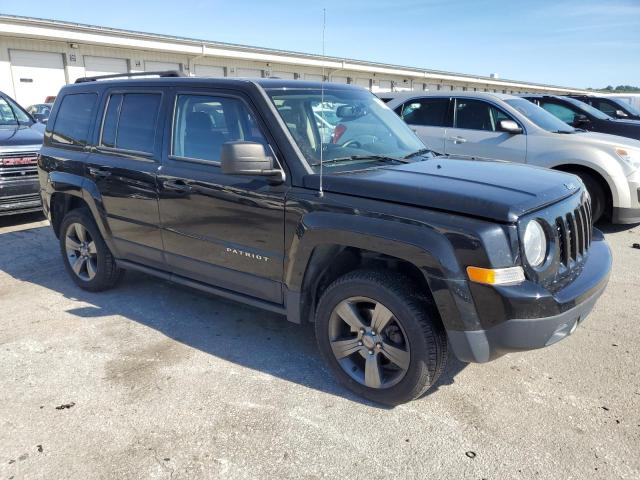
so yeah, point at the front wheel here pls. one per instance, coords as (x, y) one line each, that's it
(381, 338)
(599, 199)
(86, 257)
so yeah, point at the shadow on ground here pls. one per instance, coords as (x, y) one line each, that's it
(249, 337)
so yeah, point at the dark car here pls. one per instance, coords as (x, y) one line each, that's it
(20, 140)
(580, 115)
(612, 106)
(40, 111)
(397, 255)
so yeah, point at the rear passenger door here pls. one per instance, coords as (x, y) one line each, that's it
(429, 118)
(224, 230)
(476, 133)
(124, 165)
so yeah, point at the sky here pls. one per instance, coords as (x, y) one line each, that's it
(581, 43)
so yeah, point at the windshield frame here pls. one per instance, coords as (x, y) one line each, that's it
(15, 107)
(389, 122)
(555, 125)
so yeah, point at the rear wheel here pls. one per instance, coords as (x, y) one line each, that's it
(86, 257)
(599, 199)
(380, 337)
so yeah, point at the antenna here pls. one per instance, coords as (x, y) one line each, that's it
(324, 24)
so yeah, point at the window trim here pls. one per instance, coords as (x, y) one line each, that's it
(146, 156)
(52, 133)
(207, 93)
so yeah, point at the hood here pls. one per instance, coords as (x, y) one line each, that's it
(22, 136)
(497, 191)
(603, 139)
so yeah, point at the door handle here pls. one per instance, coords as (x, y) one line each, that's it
(458, 139)
(99, 172)
(177, 186)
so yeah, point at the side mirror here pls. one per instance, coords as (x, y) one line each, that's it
(621, 114)
(509, 126)
(247, 158)
(580, 120)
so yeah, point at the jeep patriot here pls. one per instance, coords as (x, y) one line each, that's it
(317, 201)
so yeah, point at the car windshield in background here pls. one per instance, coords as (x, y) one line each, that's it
(540, 116)
(352, 128)
(11, 115)
(588, 108)
(626, 105)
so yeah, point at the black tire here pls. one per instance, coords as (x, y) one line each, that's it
(599, 199)
(414, 313)
(106, 273)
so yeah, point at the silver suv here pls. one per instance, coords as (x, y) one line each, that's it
(504, 127)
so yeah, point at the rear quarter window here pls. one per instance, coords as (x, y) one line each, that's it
(130, 121)
(74, 118)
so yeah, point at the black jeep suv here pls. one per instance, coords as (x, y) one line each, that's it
(317, 202)
(20, 140)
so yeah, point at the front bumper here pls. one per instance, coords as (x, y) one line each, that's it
(571, 305)
(20, 197)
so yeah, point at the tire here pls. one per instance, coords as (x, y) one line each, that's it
(599, 199)
(414, 337)
(99, 270)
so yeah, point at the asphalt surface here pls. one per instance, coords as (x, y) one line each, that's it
(152, 380)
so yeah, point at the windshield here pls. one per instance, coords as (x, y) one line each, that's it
(540, 116)
(352, 128)
(625, 106)
(11, 114)
(594, 112)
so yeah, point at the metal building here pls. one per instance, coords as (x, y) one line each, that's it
(37, 57)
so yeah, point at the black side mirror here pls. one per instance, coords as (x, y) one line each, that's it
(247, 158)
(621, 114)
(509, 126)
(580, 120)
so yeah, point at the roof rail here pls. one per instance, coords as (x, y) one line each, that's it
(166, 73)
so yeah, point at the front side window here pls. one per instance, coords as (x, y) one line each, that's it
(430, 112)
(347, 128)
(478, 115)
(74, 118)
(584, 108)
(605, 106)
(565, 114)
(203, 123)
(130, 121)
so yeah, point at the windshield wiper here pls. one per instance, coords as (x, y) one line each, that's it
(383, 158)
(568, 131)
(422, 151)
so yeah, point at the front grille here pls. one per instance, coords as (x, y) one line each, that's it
(19, 199)
(574, 233)
(18, 170)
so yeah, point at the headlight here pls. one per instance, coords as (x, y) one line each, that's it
(630, 157)
(535, 243)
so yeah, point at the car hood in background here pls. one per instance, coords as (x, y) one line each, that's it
(498, 191)
(20, 137)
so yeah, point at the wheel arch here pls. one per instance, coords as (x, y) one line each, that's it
(608, 186)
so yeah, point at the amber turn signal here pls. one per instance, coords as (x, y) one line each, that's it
(496, 276)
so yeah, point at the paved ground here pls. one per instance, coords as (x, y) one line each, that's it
(152, 380)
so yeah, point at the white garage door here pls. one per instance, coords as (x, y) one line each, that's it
(363, 82)
(94, 66)
(280, 74)
(208, 71)
(36, 75)
(383, 86)
(249, 72)
(313, 77)
(339, 79)
(160, 66)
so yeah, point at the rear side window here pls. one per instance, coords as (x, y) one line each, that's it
(130, 121)
(430, 112)
(74, 118)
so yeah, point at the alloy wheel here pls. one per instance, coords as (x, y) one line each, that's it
(81, 251)
(369, 342)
